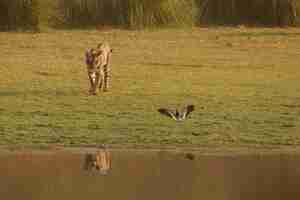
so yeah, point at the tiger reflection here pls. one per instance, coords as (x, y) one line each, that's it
(100, 161)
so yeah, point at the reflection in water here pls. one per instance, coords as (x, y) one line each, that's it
(101, 161)
(151, 175)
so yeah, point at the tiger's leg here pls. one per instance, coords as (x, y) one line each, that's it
(92, 83)
(97, 80)
(101, 80)
(106, 77)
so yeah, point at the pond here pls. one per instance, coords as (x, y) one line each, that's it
(155, 174)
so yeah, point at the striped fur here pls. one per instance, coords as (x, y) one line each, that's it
(100, 160)
(98, 67)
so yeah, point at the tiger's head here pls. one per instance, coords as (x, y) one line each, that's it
(91, 57)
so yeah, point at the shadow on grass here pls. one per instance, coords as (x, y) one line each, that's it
(29, 93)
(9, 93)
(45, 73)
(37, 113)
(261, 34)
(181, 66)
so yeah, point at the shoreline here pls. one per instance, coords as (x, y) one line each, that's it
(209, 150)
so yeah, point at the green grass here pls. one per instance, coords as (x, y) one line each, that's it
(246, 89)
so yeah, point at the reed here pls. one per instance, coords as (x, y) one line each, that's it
(19, 14)
(156, 13)
(139, 14)
(126, 13)
(251, 12)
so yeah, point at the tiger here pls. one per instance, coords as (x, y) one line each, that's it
(100, 161)
(98, 67)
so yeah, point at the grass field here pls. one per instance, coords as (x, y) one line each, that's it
(244, 82)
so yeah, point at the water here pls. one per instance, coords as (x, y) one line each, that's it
(150, 175)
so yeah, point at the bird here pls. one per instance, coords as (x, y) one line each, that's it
(176, 115)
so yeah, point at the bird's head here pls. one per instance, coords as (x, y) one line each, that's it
(177, 112)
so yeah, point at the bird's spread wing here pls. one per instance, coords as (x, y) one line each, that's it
(166, 112)
(188, 109)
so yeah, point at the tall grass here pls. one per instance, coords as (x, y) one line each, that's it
(19, 14)
(161, 12)
(256, 12)
(127, 13)
(137, 14)
(155, 13)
